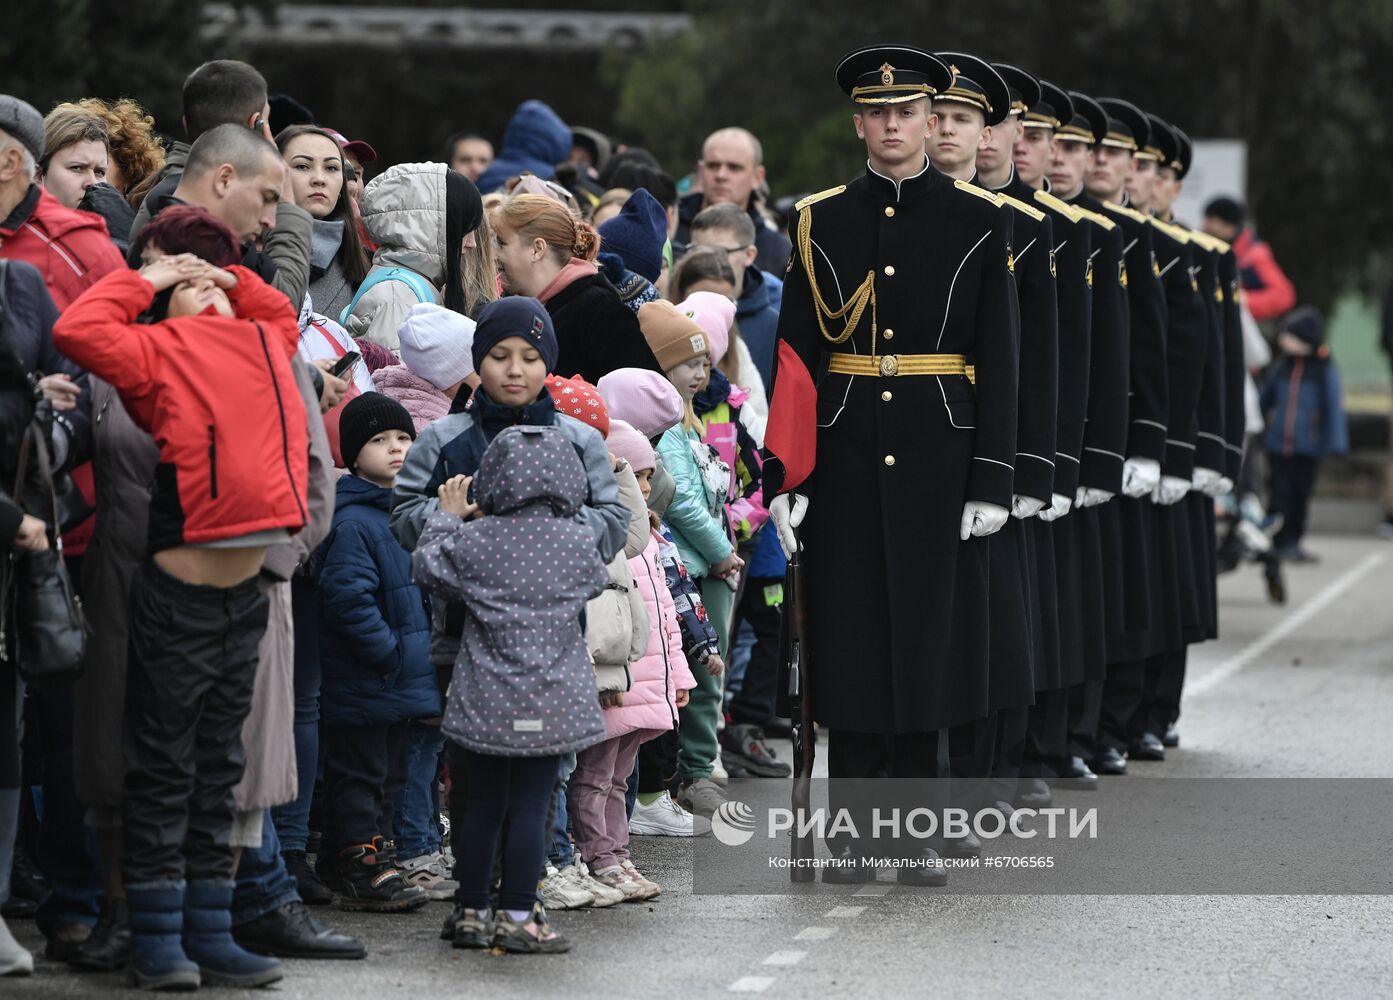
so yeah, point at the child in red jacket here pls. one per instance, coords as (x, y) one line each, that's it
(200, 354)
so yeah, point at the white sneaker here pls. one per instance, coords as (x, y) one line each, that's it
(650, 887)
(601, 895)
(617, 878)
(663, 817)
(430, 872)
(561, 893)
(718, 772)
(15, 960)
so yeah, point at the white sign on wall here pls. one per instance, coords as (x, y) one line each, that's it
(1220, 168)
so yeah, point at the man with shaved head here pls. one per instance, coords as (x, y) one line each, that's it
(731, 172)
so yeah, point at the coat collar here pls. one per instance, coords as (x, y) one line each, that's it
(911, 187)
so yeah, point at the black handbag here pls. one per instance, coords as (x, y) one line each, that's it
(41, 608)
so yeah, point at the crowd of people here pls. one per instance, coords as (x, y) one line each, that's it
(431, 520)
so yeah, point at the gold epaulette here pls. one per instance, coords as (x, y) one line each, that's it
(813, 199)
(1097, 217)
(1219, 244)
(1203, 239)
(1021, 206)
(1059, 205)
(995, 199)
(1177, 233)
(1131, 213)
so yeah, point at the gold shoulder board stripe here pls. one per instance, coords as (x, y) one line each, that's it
(1203, 239)
(1220, 245)
(979, 192)
(813, 199)
(1021, 206)
(1059, 205)
(1097, 217)
(1174, 232)
(1131, 213)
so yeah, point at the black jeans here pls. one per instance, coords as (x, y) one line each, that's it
(192, 661)
(754, 702)
(1293, 482)
(517, 789)
(364, 769)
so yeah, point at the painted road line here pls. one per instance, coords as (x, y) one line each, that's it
(1292, 623)
(845, 912)
(874, 889)
(751, 984)
(785, 958)
(814, 934)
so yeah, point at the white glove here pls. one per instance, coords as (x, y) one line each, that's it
(981, 519)
(1222, 488)
(1140, 476)
(1204, 479)
(1088, 497)
(1170, 490)
(1061, 506)
(1023, 506)
(787, 512)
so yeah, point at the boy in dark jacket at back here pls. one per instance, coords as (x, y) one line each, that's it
(375, 655)
(1304, 411)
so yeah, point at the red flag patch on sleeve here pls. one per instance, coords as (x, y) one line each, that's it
(791, 435)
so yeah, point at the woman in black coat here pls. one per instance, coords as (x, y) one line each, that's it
(544, 252)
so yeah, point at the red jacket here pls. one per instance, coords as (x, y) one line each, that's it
(1267, 292)
(217, 394)
(71, 249)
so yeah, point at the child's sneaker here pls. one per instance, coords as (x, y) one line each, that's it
(702, 797)
(665, 818)
(533, 936)
(367, 880)
(430, 874)
(472, 928)
(617, 878)
(561, 893)
(649, 886)
(601, 895)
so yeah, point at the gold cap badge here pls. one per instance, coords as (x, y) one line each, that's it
(887, 74)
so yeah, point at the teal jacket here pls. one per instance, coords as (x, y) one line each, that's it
(694, 516)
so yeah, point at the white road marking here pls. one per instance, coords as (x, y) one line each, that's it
(751, 984)
(1260, 646)
(785, 958)
(874, 889)
(814, 934)
(845, 912)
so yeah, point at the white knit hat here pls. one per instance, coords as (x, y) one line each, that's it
(436, 344)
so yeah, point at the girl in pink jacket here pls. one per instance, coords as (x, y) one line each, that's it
(659, 686)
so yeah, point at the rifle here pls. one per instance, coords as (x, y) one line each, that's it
(801, 714)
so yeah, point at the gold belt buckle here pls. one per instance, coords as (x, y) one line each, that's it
(889, 365)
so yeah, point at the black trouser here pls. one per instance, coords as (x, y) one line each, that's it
(364, 769)
(1122, 698)
(517, 789)
(192, 661)
(1047, 736)
(1162, 687)
(971, 749)
(1008, 752)
(1293, 480)
(854, 757)
(763, 609)
(1085, 706)
(657, 763)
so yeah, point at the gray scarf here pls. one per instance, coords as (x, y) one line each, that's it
(325, 242)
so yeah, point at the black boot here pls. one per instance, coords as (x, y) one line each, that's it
(848, 870)
(312, 890)
(1079, 776)
(966, 846)
(291, 931)
(366, 879)
(919, 870)
(1109, 761)
(1172, 737)
(109, 945)
(1148, 746)
(1033, 793)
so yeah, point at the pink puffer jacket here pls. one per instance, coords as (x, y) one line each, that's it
(651, 701)
(422, 400)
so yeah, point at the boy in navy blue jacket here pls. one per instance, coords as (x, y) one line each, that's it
(375, 657)
(1304, 411)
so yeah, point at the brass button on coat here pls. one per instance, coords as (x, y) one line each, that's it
(887, 395)
(889, 270)
(889, 212)
(889, 459)
(888, 334)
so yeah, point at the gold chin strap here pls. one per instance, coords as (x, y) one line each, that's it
(854, 306)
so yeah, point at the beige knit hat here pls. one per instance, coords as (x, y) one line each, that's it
(673, 336)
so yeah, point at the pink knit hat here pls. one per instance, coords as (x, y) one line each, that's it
(630, 445)
(643, 398)
(714, 314)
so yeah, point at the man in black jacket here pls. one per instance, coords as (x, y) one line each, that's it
(731, 171)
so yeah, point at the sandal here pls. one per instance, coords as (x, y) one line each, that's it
(532, 937)
(473, 928)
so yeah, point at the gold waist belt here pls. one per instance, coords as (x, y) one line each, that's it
(890, 365)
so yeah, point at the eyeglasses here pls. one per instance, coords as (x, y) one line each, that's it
(736, 249)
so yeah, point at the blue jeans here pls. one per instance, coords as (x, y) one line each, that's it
(293, 819)
(741, 643)
(418, 805)
(263, 884)
(67, 849)
(562, 852)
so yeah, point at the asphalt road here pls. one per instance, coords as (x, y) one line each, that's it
(1299, 691)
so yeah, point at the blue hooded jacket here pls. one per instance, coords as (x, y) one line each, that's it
(757, 312)
(535, 140)
(374, 625)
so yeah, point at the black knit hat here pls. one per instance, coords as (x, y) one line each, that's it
(1306, 324)
(1230, 210)
(364, 418)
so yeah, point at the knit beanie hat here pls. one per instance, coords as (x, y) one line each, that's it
(715, 314)
(643, 399)
(673, 336)
(637, 234)
(577, 398)
(1305, 324)
(435, 344)
(1228, 209)
(515, 316)
(627, 443)
(364, 418)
